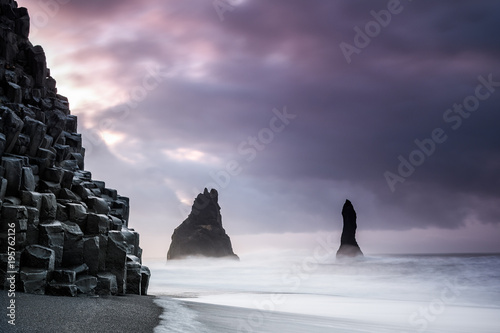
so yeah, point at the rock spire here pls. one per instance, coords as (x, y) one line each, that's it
(348, 245)
(202, 234)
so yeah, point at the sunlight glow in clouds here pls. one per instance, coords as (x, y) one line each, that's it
(193, 155)
(112, 138)
(185, 199)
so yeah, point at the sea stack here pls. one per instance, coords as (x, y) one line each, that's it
(348, 245)
(202, 234)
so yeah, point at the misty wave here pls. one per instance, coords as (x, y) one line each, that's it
(263, 292)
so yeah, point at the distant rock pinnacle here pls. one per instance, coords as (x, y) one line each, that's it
(202, 234)
(348, 245)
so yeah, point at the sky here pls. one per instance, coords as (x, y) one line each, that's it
(288, 108)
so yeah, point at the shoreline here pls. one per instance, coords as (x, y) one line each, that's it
(214, 318)
(42, 313)
(185, 315)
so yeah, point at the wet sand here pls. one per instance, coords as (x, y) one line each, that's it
(195, 317)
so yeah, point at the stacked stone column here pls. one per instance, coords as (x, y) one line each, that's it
(71, 231)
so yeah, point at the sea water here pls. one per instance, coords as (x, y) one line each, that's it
(314, 292)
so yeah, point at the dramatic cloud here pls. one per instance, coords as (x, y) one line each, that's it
(287, 107)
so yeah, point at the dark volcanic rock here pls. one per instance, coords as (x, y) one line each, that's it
(37, 256)
(33, 280)
(60, 216)
(202, 234)
(348, 245)
(106, 284)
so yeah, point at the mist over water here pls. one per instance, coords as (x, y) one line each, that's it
(300, 291)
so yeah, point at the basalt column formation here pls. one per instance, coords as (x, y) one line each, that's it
(61, 232)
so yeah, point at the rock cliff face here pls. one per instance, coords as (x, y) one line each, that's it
(348, 245)
(202, 234)
(61, 232)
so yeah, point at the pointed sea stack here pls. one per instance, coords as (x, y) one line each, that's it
(202, 234)
(348, 245)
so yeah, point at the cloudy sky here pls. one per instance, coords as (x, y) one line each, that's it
(288, 107)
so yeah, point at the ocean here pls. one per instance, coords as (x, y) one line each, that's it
(313, 292)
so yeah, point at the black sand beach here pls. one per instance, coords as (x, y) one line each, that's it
(40, 314)
(211, 318)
